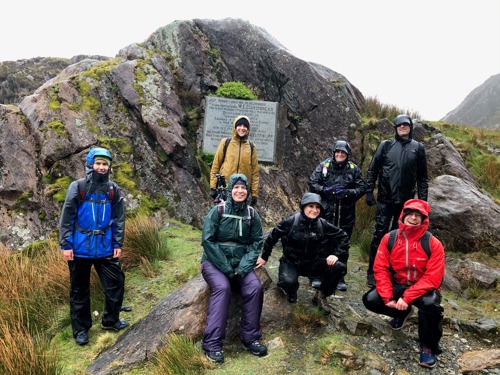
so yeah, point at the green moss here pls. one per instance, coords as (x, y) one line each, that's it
(22, 201)
(97, 71)
(162, 123)
(162, 156)
(59, 187)
(120, 145)
(235, 90)
(123, 175)
(89, 103)
(54, 99)
(58, 127)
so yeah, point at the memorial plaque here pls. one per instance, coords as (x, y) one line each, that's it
(220, 114)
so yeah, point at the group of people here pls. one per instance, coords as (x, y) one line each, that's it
(406, 265)
(402, 270)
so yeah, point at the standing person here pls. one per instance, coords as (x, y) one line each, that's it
(340, 184)
(312, 247)
(237, 155)
(92, 227)
(400, 166)
(407, 274)
(232, 238)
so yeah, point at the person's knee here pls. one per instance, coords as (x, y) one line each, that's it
(370, 298)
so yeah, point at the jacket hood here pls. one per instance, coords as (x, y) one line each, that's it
(232, 180)
(416, 205)
(233, 131)
(310, 198)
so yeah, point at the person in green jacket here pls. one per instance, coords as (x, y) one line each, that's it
(232, 238)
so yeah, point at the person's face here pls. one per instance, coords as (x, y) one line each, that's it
(312, 210)
(413, 218)
(340, 156)
(241, 130)
(239, 193)
(100, 166)
(403, 130)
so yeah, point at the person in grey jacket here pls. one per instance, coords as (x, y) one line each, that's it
(92, 227)
(231, 239)
(400, 166)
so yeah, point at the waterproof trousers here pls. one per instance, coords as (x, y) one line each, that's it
(113, 286)
(386, 219)
(430, 313)
(252, 295)
(289, 272)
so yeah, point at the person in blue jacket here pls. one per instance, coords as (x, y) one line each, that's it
(91, 232)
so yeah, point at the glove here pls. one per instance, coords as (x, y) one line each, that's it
(370, 199)
(253, 202)
(340, 191)
(328, 190)
(213, 193)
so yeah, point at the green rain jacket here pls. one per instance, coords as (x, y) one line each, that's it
(232, 243)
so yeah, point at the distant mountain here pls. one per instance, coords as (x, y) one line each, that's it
(481, 108)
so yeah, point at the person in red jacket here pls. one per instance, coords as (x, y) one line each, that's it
(407, 275)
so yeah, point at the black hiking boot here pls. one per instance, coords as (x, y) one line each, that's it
(319, 300)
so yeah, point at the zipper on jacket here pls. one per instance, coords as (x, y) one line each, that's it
(407, 259)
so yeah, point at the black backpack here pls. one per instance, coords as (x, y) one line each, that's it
(252, 146)
(425, 241)
(82, 189)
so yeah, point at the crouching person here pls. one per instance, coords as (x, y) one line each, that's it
(408, 271)
(232, 238)
(311, 247)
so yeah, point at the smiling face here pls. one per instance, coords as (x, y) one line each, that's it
(100, 166)
(312, 210)
(239, 193)
(340, 156)
(403, 130)
(413, 218)
(241, 130)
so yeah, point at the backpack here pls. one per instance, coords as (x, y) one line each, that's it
(425, 241)
(327, 162)
(82, 189)
(252, 146)
(221, 207)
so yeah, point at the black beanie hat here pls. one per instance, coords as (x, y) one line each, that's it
(242, 121)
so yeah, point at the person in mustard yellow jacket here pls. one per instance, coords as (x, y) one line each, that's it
(238, 156)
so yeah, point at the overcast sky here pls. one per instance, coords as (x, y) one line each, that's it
(423, 56)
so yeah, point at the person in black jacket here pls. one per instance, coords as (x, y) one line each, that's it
(400, 166)
(340, 184)
(311, 247)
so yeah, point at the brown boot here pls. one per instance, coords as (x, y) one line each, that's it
(319, 300)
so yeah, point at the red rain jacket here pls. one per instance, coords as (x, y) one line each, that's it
(408, 263)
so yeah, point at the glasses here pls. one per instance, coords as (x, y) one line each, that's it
(403, 124)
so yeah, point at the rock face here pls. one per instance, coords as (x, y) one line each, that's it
(481, 107)
(147, 106)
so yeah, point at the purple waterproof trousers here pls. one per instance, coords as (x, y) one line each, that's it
(252, 296)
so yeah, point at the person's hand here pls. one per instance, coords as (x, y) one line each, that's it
(328, 190)
(68, 254)
(331, 260)
(391, 304)
(213, 193)
(401, 304)
(340, 191)
(260, 263)
(117, 253)
(253, 202)
(370, 199)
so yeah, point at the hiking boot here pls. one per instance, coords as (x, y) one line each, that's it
(370, 281)
(118, 326)
(342, 286)
(319, 300)
(398, 323)
(82, 338)
(314, 282)
(427, 358)
(292, 297)
(216, 356)
(256, 348)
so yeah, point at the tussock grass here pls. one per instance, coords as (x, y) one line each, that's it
(180, 356)
(304, 319)
(374, 108)
(145, 244)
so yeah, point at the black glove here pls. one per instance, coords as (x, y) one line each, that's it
(370, 199)
(328, 190)
(253, 202)
(213, 193)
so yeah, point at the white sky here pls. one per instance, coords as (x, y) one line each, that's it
(423, 56)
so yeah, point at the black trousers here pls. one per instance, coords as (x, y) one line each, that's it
(113, 286)
(386, 219)
(289, 272)
(430, 313)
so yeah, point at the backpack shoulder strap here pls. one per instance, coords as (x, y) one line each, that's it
(81, 182)
(251, 214)
(226, 143)
(221, 207)
(392, 239)
(425, 242)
